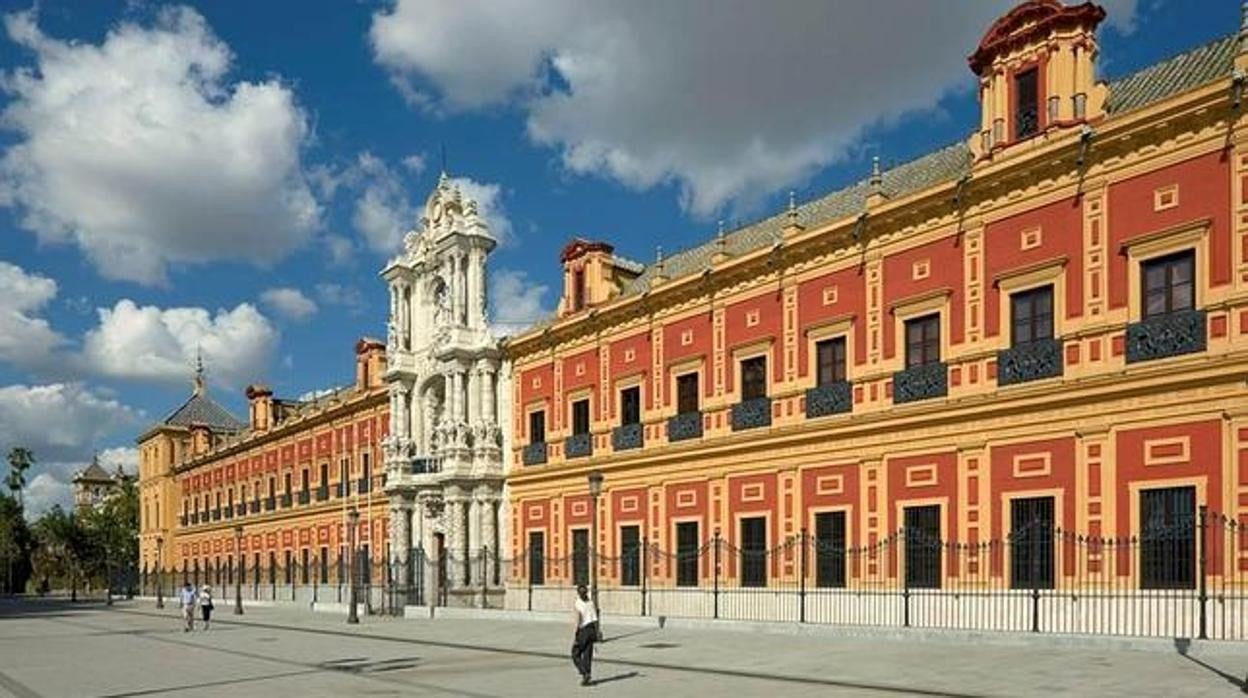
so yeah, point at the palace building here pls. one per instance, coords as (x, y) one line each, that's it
(1045, 322)
(270, 494)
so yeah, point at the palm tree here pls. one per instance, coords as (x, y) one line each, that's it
(20, 460)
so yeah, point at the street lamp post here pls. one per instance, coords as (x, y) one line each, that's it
(160, 597)
(595, 490)
(238, 570)
(353, 517)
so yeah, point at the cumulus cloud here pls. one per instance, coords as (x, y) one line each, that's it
(153, 344)
(339, 250)
(728, 101)
(44, 491)
(516, 302)
(143, 153)
(383, 212)
(348, 297)
(26, 340)
(489, 198)
(289, 302)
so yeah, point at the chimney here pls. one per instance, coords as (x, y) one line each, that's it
(592, 275)
(370, 363)
(260, 403)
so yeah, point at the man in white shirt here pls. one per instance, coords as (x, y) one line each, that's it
(586, 634)
(186, 600)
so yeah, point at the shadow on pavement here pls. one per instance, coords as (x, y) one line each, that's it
(617, 677)
(1182, 644)
(621, 636)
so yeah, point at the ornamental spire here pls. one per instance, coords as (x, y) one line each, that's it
(198, 383)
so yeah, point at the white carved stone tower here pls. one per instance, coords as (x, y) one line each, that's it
(444, 455)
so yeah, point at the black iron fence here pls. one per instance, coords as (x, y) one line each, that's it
(1185, 579)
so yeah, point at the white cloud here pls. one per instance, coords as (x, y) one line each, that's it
(516, 302)
(62, 424)
(414, 163)
(728, 101)
(140, 151)
(289, 302)
(382, 212)
(348, 297)
(312, 395)
(125, 456)
(160, 345)
(26, 340)
(339, 250)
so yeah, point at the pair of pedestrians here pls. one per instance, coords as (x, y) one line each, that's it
(189, 598)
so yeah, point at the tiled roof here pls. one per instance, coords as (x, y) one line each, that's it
(1142, 88)
(93, 473)
(203, 410)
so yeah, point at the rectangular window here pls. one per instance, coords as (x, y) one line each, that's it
(754, 552)
(687, 393)
(830, 549)
(580, 417)
(366, 565)
(580, 556)
(1027, 104)
(923, 547)
(324, 565)
(306, 480)
(1031, 543)
(754, 378)
(1031, 314)
(1169, 284)
(687, 554)
(288, 572)
(578, 289)
(303, 566)
(630, 556)
(537, 426)
(630, 405)
(923, 340)
(537, 558)
(1168, 538)
(830, 361)
(286, 480)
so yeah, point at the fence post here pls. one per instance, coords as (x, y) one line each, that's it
(1034, 540)
(905, 578)
(641, 554)
(528, 561)
(715, 591)
(484, 576)
(801, 576)
(1204, 550)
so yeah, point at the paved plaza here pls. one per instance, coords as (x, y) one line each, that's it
(58, 649)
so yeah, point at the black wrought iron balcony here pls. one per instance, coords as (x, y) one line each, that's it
(216, 514)
(228, 512)
(1027, 121)
(322, 493)
(286, 499)
(241, 509)
(183, 519)
(830, 398)
(627, 436)
(578, 446)
(271, 503)
(364, 485)
(305, 497)
(751, 414)
(921, 383)
(687, 425)
(534, 453)
(425, 465)
(1029, 361)
(1172, 334)
(194, 518)
(255, 506)
(340, 489)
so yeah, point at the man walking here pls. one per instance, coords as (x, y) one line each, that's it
(586, 634)
(186, 601)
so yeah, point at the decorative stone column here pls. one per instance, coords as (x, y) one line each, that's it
(401, 544)
(457, 540)
(486, 540)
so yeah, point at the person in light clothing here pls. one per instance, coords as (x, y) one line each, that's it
(186, 601)
(586, 617)
(205, 604)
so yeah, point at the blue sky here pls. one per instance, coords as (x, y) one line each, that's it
(229, 177)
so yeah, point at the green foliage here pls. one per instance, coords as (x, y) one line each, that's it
(20, 460)
(15, 545)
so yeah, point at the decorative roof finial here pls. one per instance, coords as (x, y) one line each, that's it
(877, 179)
(792, 212)
(658, 255)
(719, 232)
(198, 383)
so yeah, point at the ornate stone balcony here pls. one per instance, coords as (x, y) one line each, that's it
(1172, 334)
(684, 426)
(534, 453)
(1035, 360)
(921, 383)
(834, 398)
(751, 414)
(627, 436)
(578, 446)
(425, 465)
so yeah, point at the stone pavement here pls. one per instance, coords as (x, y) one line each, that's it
(57, 649)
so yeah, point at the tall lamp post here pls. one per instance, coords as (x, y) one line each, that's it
(160, 597)
(353, 517)
(238, 570)
(595, 490)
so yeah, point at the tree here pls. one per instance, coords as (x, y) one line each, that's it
(20, 460)
(15, 545)
(112, 532)
(64, 549)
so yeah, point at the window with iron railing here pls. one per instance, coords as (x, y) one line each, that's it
(1026, 104)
